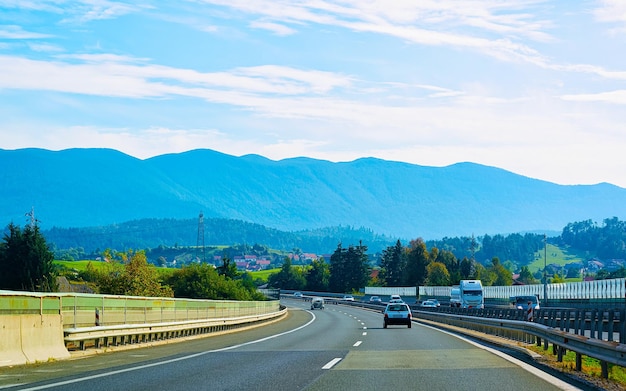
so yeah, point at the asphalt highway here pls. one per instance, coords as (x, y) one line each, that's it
(338, 348)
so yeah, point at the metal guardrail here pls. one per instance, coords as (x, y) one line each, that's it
(98, 336)
(85, 310)
(95, 320)
(606, 351)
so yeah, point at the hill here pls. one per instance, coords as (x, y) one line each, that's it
(95, 187)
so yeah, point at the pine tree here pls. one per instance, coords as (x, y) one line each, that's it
(26, 261)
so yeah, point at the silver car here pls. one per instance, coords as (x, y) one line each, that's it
(397, 313)
(317, 303)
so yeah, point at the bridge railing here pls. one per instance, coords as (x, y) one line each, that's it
(43, 326)
(84, 310)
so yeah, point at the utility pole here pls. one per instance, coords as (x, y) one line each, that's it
(545, 266)
(200, 241)
(32, 221)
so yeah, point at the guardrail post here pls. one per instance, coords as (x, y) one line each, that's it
(577, 322)
(97, 317)
(593, 325)
(610, 325)
(74, 311)
(622, 326)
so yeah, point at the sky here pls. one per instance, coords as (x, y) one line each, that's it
(534, 87)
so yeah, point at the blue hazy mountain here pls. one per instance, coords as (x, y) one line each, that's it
(93, 187)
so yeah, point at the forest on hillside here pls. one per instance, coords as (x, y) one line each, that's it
(89, 242)
(168, 237)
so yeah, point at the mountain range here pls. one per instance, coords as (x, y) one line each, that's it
(94, 187)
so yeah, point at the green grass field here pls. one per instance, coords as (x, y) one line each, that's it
(555, 255)
(79, 266)
(263, 275)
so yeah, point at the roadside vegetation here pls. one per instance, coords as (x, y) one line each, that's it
(591, 369)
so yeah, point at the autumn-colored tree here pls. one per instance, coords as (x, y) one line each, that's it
(438, 274)
(485, 275)
(202, 281)
(131, 275)
(503, 276)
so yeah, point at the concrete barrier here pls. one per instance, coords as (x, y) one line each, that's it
(42, 338)
(11, 341)
(33, 325)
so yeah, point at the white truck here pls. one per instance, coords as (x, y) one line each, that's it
(471, 294)
(455, 297)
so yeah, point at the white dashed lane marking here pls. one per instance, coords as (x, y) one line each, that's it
(332, 363)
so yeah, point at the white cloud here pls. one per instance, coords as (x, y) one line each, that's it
(611, 11)
(17, 32)
(43, 47)
(112, 75)
(81, 11)
(276, 28)
(616, 97)
(486, 26)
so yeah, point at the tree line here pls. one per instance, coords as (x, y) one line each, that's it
(27, 264)
(606, 240)
(350, 269)
(85, 242)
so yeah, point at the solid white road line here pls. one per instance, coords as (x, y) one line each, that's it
(155, 364)
(528, 368)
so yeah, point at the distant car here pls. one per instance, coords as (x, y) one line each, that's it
(397, 299)
(435, 301)
(397, 313)
(317, 303)
(348, 298)
(298, 295)
(375, 299)
(428, 304)
(525, 302)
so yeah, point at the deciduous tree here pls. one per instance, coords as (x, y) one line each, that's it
(317, 276)
(437, 274)
(130, 275)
